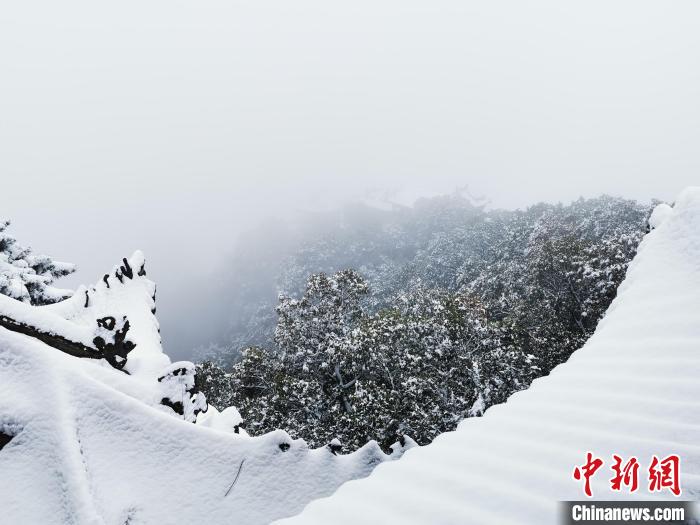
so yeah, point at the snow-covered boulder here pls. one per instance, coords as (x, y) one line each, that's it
(661, 212)
(228, 420)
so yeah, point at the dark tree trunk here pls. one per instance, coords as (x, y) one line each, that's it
(114, 351)
(56, 341)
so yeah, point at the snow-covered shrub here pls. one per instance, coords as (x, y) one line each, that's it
(28, 277)
(179, 392)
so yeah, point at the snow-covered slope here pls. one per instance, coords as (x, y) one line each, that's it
(632, 390)
(89, 444)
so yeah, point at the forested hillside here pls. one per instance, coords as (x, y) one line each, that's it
(402, 322)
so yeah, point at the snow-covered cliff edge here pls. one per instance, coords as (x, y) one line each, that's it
(632, 390)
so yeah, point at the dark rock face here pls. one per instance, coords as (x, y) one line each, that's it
(4, 439)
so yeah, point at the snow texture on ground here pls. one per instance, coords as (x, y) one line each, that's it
(92, 445)
(632, 390)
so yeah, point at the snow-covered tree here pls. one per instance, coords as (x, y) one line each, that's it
(29, 277)
(466, 307)
(217, 384)
(312, 339)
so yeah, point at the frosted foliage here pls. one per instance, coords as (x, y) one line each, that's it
(29, 277)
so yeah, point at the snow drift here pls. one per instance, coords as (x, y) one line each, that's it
(84, 443)
(632, 390)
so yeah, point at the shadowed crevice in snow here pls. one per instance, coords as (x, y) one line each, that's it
(4, 439)
(7, 433)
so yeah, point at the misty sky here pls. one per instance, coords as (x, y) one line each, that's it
(170, 125)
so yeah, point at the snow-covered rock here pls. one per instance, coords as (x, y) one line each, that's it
(662, 212)
(228, 420)
(632, 390)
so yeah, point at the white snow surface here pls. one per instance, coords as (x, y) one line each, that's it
(227, 420)
(632, 390)
(662, 212)
(93, 445)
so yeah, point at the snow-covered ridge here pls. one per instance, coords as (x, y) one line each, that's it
(83, 442)
(101, 311)
(632, 390)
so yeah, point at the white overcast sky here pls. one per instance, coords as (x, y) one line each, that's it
(168, 125)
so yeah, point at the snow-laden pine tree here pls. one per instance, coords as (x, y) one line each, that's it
(29, 277)
(312, 337)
